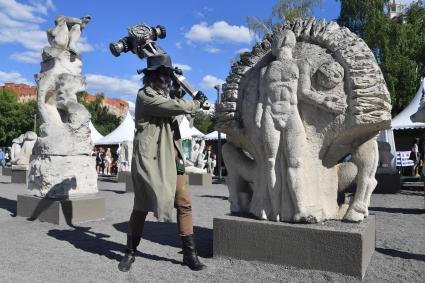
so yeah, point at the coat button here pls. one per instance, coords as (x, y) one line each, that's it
(154, 158)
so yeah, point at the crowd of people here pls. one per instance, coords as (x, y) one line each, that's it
(106, 161)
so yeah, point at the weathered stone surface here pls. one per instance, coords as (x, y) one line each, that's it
(309, 95)
(62, 176)
(125, 155)
(61, 165)
(22, 151)
(334, 246)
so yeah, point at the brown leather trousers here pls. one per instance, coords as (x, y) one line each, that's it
(183, 204)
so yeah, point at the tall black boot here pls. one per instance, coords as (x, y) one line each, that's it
(190, 257)
(128, 259)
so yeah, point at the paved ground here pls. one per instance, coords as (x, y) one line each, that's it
(32, 251)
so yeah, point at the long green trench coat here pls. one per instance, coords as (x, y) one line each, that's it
(153, 166)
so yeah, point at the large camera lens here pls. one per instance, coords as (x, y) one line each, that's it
(118, 47)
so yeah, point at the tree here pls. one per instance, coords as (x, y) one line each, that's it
(15, 118)
(284, 10)
(203, 122)
(104, 121)
(398, 44)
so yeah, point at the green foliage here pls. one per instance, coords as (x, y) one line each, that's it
(104, 121)
(398, 44)
(203, 122)
(284, 10)
(15, 118)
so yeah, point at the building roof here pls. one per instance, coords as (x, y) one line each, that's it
(402, 120)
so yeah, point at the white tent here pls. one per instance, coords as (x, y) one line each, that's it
(124, 132)
(187, 132)
(402, 120)
(94, 134)
(214, 136)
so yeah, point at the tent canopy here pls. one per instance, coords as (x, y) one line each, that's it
(214, 136)
(402, 120)
(94, 134)
(124, 132)
(187, 132)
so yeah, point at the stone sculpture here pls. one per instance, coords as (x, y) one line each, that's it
(22, 149)
(385, 157)
(306, 96)
(126, 153)
(196, 163)
(61, 165)
(16, 147)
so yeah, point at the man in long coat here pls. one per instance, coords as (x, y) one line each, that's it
(157, 166)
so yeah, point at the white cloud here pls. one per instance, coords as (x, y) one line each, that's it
(113, 85)
(131, 107)
(212, 49)
(209, 82)
(83, 45)
(27, 56)
(20, 23)
(242, 50)
(13, 77)
(179, 45)
(220, 31)
(183, 67)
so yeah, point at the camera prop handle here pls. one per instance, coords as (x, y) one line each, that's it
(187, 87)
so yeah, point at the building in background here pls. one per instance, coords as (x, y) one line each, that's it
(27, 93)
(395, 8)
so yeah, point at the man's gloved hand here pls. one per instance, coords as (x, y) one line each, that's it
(201, 97)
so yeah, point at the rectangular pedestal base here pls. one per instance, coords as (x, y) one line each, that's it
(19, 176)
(332, 246)
(200, 179)
(6, 171)
(129, 187)
(387, 183)
(71, 211)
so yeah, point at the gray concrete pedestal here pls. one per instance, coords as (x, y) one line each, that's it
(69, 211)
(332, 246)
(200, 179)
(19, 176)
(6, 171)
(129, 187)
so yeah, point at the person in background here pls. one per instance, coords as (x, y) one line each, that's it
(2, 158)
(108, 161)
(415, 157)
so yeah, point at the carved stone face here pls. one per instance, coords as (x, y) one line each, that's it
(284, 38)
(330, 74)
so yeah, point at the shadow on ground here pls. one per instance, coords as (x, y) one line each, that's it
(211, 196)
(398, 210)
(96, 243)
(120, 192)
(9, 205)
(166, 234)
(401, 254)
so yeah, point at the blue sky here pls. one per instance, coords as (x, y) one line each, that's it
(202, 38)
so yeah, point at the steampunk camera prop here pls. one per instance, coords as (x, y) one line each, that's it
(141, 41)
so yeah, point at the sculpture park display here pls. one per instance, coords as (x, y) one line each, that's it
(196, 163)
(306, 96)
(125, 155)
(61, 165)
(22, 149)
